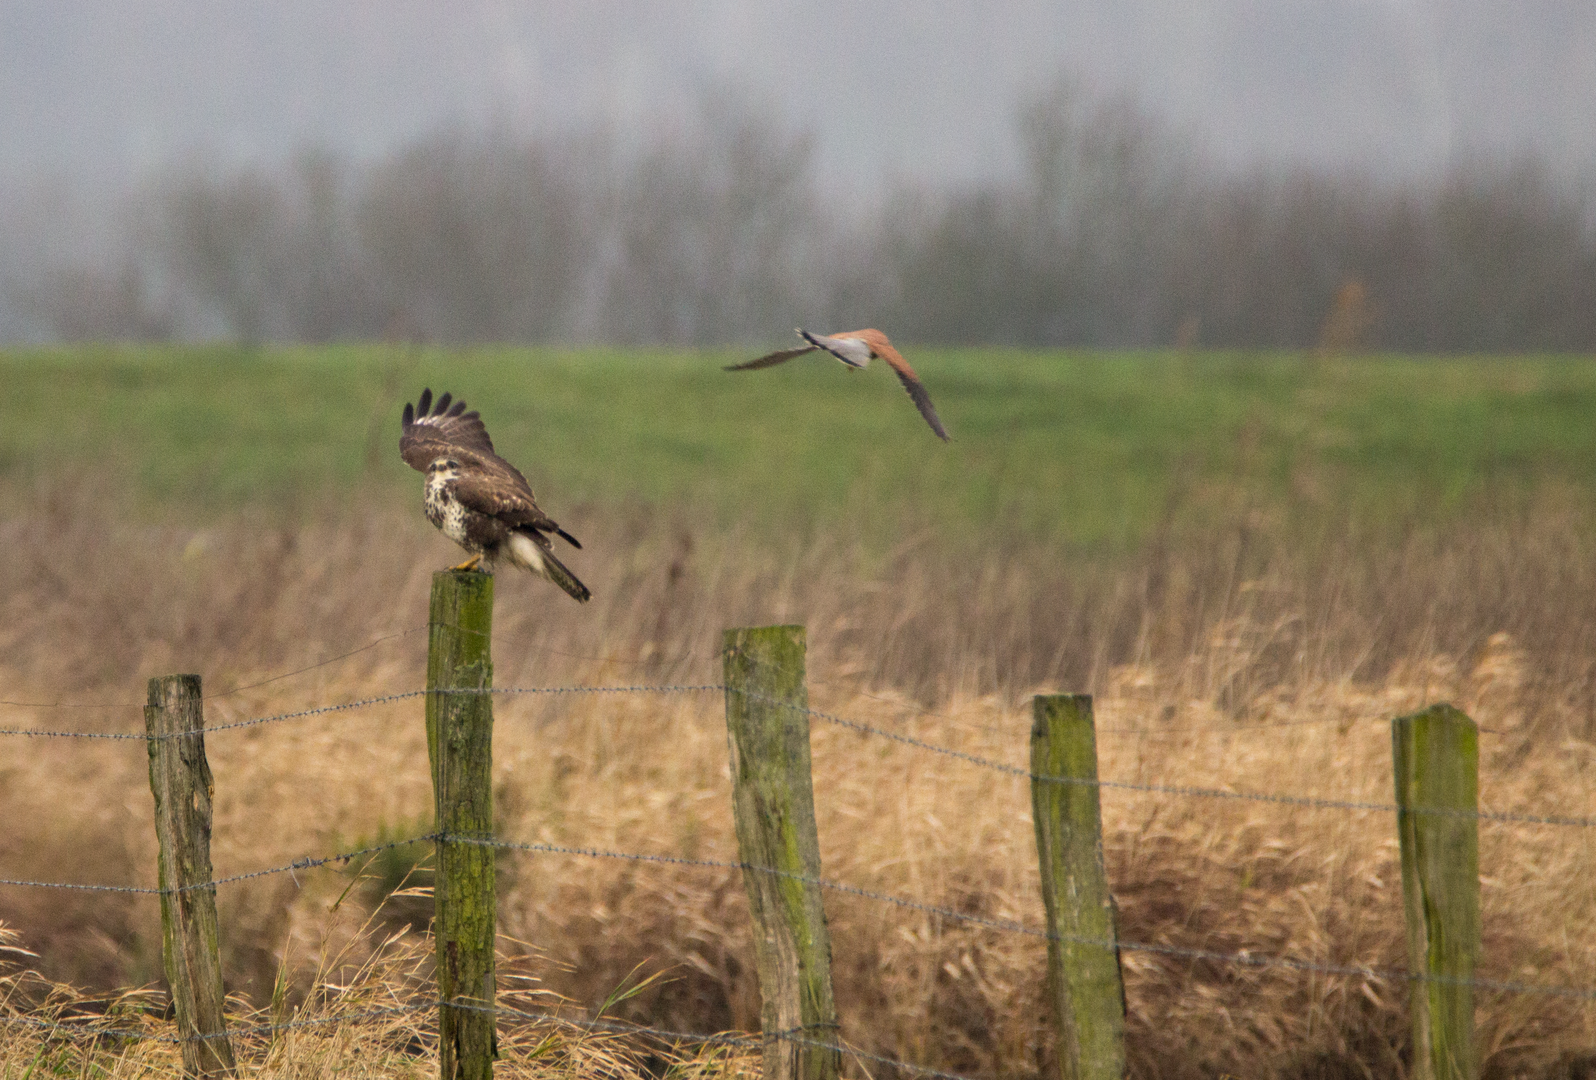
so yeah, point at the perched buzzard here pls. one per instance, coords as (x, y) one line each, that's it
(479, 500)
(856, 349)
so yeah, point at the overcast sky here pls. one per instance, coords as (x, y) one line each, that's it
(923, 90)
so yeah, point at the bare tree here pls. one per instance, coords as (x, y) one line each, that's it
(82, 303)
(216, 240)
(271, 255)
(482, 236)
(718, 231)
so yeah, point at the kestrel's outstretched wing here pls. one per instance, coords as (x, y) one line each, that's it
(911, 382)
(433, 431)
(771, 360)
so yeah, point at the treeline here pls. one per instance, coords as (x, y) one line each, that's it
(721, 230)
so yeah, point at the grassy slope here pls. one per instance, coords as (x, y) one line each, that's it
(1090, 448)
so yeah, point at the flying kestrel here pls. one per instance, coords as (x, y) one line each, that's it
(476, 498)
(856, 349)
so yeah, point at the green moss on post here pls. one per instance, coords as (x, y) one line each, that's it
(1436, 758)
(180, 780)
(1084, 981)
(460, 746)
(773, 802)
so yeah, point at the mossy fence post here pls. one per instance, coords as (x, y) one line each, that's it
(773, 803)
(1083, 973)
(1436, 759)
(460, 748)
(180, 780)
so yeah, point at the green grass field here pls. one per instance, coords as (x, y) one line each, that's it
(1091, 449)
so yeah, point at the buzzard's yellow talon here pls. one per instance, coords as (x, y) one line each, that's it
(469, 564)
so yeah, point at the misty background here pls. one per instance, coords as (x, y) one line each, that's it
(1347, 174)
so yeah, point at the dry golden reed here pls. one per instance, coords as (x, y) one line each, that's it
(1228, 660)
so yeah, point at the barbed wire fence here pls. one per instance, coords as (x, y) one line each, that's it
(97, 1028)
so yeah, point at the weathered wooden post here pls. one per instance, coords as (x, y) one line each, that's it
(1084, 981)
(773, 803)
(1436, 758)
(460, 747)
(180, 780)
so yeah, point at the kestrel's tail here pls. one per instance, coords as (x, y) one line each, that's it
(527, 553)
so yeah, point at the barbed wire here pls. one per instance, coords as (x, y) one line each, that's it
(1244, 957)
(1166, 733)
(322, 664)
(306, 863)
(224, 693)
(381, 699)
(86, 1032)
(1183, 790)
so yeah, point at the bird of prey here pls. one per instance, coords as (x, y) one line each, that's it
(475, 497)
(856, 349)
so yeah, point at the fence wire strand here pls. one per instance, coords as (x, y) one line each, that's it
(89, 1032)
(1185, 791)
(223, 693)
(1244, 957)
(381, 699)
(307, 863)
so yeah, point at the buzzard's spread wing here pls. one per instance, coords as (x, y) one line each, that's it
(496, 489)
(771, 360)
(438, 430)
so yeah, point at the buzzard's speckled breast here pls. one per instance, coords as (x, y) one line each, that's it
(448, 513)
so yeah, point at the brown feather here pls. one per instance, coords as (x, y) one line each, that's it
(492, 492)
(488, 484)
(771, 360)
(434, 431)
(911, 382)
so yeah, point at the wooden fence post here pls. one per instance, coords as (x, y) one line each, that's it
(1436, 759)
(460, 747)
(180, 780)
(773, 802)
(1084, 981)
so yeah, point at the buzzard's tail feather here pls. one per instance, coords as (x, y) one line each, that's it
(526, 552)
